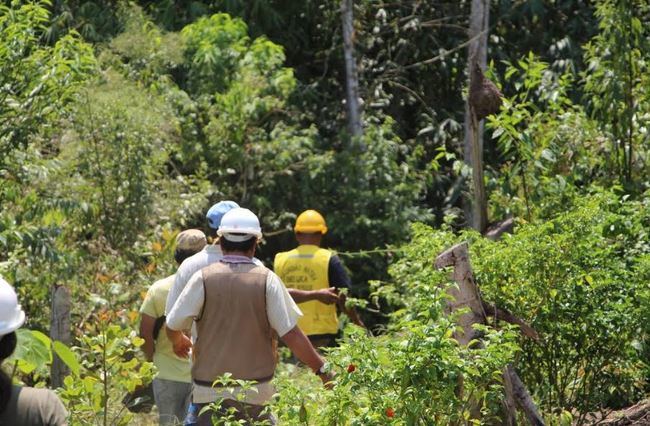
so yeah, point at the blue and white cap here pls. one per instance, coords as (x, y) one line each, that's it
(216, 212)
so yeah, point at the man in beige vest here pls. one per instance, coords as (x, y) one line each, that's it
(239, 309)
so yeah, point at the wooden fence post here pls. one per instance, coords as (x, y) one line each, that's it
(60, 330)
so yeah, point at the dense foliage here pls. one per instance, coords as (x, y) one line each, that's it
(121, 123)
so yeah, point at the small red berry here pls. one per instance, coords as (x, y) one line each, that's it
(351, 368)
(390, 413)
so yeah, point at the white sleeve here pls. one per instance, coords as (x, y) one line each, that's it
(188, 305)
(180, 280)
(282, 311)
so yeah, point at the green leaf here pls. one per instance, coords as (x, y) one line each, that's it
(33, 350)
(302, 414)
(67, 356)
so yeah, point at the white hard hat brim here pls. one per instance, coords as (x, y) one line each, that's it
(238, 234)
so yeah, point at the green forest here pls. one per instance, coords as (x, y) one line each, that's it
(122, 122)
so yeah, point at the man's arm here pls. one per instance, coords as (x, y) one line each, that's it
(181, 279)
(147, 323)
(326, 295)
(350, 312)
(302, 348)
(340, 279)
(187, 307)
(283, 314)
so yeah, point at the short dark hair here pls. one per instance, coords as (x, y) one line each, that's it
(7, 347)
(243, 246)
(181, 255)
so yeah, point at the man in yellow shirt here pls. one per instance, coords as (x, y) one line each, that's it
(173, 384)
(313, 276)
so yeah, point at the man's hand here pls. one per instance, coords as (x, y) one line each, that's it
(327, 296)
(328, 380)
(182, 346)
(180, 342)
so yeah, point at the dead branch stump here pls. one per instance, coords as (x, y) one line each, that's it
(467, 295)
(60, 330)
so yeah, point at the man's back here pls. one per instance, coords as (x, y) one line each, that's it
(209, 255)
(170, 366)
(33, 407)
(234, 330)
(307, 268)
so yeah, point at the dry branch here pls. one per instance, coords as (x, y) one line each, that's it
(495, 231)
(638, 414)
(505, 315)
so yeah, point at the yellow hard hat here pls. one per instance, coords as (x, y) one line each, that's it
(310, 221)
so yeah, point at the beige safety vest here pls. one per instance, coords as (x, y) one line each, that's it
(233, 331)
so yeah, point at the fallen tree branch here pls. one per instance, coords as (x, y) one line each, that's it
(523, 398)
(637, 414)
(504, 315)
(496, 230)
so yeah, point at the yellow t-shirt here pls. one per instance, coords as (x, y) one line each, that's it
(170, 367)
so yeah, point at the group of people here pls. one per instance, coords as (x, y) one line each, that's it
(224, 312)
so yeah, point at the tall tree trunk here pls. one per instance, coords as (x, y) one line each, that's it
(476, 206)
(351, 75)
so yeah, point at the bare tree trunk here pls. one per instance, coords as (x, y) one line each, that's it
(60, 330)
(351, 75)
(467, 295)
(476, 209)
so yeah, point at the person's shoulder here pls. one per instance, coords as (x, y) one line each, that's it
(196, 257)
(39, 394)
(163, 284)
(284, 253)
(43, 403)
(324, 252)
(334, 258)
(200, 260)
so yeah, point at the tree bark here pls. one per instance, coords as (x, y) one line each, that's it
(60, 330)
(476, 208)
(467, 295)
(524, 399)
(351, 75)
(495, 231)
(504, 315)
(638, 414)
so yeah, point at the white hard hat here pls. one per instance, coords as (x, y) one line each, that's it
(239, 225)
(11, 314)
